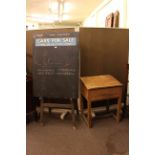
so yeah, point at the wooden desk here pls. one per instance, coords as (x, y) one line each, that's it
(100, 87)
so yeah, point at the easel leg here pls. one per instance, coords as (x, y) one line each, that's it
(107, 105)
(49, 110)
(77, 109)
(73, 114)
(41, 110)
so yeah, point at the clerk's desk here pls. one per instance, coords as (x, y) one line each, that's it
(100, 87)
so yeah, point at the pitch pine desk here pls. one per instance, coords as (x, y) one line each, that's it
(100, 87)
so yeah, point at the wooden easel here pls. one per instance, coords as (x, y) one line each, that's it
(72, 105)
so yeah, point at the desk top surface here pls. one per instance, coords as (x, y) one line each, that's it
(100, 81)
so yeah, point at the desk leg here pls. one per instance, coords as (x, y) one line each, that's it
(89, 114)
(118, 109)
(73, 114)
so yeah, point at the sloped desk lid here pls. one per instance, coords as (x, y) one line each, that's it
(100, 81)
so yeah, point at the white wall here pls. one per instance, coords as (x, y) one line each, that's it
(31, 25)
(50, 26)
(36, 25)
(98, 16)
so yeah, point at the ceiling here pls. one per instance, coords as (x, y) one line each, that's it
(75, 11)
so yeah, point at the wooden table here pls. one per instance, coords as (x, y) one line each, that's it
(100, 87)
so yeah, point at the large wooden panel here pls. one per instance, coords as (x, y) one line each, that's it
(104, 51)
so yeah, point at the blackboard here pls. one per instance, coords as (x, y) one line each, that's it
(56, 64)
(29, 43)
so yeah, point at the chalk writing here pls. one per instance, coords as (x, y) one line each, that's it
(64, 71)
(67, 41)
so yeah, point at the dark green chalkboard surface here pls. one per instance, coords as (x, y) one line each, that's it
(56, 64)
